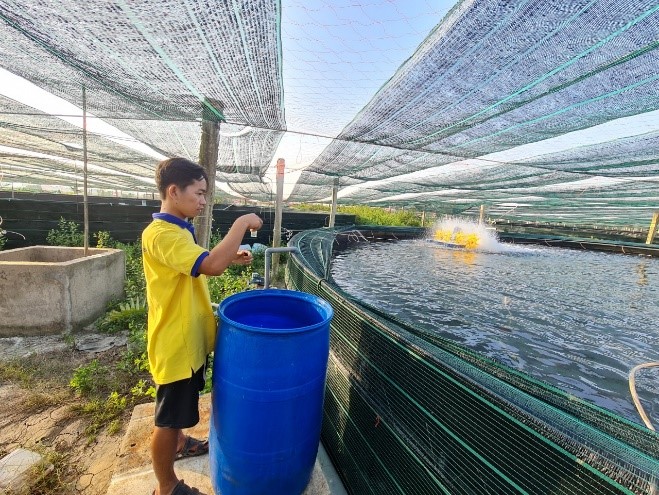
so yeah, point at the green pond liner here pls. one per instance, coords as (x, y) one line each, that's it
(408, 412)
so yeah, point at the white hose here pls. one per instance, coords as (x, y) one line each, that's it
(632, 389)
(639, 407)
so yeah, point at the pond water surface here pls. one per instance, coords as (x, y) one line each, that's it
(580, 320)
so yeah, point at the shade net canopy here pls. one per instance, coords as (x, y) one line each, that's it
(539, 110)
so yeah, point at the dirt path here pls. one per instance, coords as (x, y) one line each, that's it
(37, 412)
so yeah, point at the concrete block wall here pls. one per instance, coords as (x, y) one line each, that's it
(52, 290)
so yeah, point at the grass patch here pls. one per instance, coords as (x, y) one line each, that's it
(104, 413)
(60, 481)
(14, 372)
(37, 401)
(109, 391)
(51, 369)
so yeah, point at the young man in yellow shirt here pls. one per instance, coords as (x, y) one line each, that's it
(181, 323)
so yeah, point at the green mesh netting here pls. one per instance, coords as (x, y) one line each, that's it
(148, 68)
(539, 110)
(496, 76)
(413, 413)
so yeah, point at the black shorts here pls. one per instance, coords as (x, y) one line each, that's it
(177, 403)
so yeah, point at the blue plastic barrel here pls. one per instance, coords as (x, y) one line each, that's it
(268, 388)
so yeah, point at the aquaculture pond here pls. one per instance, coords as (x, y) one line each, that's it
(579, 320)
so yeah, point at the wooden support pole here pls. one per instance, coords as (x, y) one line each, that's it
(279, 205)
(335, 195)
(653, 228)
(85, 202)
(208, 150)
(423, 218)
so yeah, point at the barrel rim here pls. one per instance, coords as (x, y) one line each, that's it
(294, 294)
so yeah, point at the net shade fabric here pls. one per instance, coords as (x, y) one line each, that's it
(438, 417)
(148, 68)
(521, 106)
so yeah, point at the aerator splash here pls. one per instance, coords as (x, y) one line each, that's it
(456, 238)
(463, 233)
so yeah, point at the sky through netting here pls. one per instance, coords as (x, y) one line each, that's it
(539, 110)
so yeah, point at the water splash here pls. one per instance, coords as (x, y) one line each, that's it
(465, 231)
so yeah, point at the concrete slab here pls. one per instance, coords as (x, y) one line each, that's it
(133, 473)
(19, 467)
(20, 347)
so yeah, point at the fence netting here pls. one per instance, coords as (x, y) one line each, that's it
(410, 412)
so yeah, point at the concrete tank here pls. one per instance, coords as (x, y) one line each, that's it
(51, 290)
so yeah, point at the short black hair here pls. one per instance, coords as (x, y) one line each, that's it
(178, 171)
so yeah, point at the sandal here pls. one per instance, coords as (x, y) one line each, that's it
(192, 448)
(182, 489)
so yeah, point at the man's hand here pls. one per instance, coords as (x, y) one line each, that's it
(252, 221)
(224, 254)
(243, 257)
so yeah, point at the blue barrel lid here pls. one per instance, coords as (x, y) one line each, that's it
(323, 308)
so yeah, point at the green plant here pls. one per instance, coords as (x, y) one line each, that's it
(89, 377)
(69, 340)
(312, 207)
(209, 376)
(104, 239)
(131, 315)
(216, 237)
(370, 215)
(143, 389)
(104, 413)
(227, 284)
(67, 233)
(135, 284)
(44, 480)
(133, 303)
(3, 239)
(16, 373)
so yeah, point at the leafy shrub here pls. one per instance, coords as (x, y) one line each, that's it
(67, 233)
(227, 284)
(104, 239)
(216, 237)
(135, 284)
(130, 315)
(143, 389)
(370, 215)
(3, 240)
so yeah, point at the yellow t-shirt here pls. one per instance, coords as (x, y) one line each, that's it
(181, 323)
